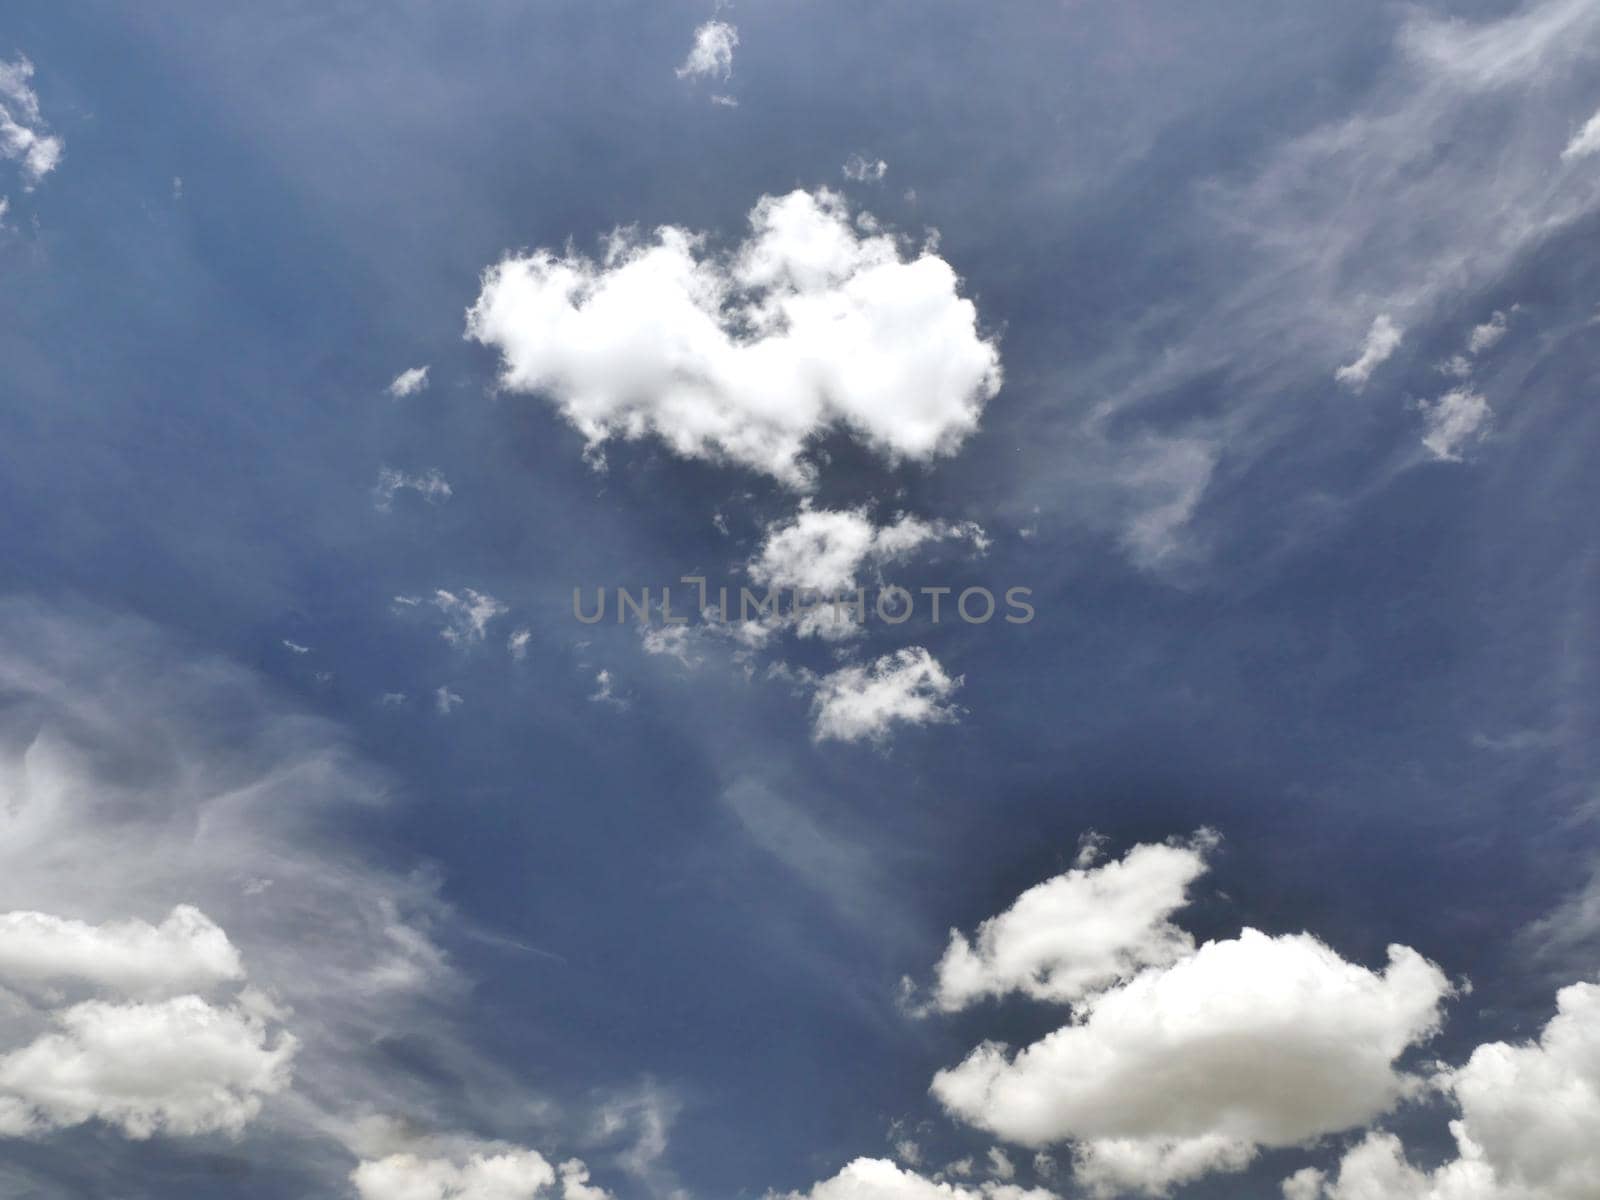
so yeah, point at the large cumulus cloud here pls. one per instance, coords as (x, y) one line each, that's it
(817, 321)
(1177, 1061)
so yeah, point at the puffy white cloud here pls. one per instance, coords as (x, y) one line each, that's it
(1451, 421)
(711, 55)
(1383, 339)
(446, 701)
(23, 133)
(823, 549)
(409, 382)
(815, 322)
(880, 1179)
(431, 485)
(178, 1066)
(575, 1183)
(1585, 142)
(186, 952)
(1188, 1068)
(1079, 932)
(466, 615)
(907, 687)
(1527, 1130)
(509, 1175)
(819, 552)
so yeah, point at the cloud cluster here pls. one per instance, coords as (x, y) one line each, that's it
(1529, 1116)
(907, 687)
(146, 1054)
(816, 322)
(24, 136)
(151, 799)
(1178, 1061)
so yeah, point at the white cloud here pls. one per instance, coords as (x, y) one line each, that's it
(1308, 265)
(1485, 56)
(517, 643)
(603, 693)
(180, 1066)
(409, 382)
(880, 1179)
(1453, 420)
(295, 647)
(169, 1062)
(1079, 932)
(1529, 1114)
(907, 687)
(511, 1175)
(23, 133)
(1187, 1068)
(813, 323)
(672, 641)
(712, 53)
(860, 169)
(575, 1183)
(1177, 1061)
(1488, 335)
(445, 701)
(431, 485)
(1000, 1164)
(1585, 142)
(467, 615)
(1383, 339)
(1161, 481)
(821, 551)
(186, 952)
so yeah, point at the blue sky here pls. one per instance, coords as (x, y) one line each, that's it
(1257, 342)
